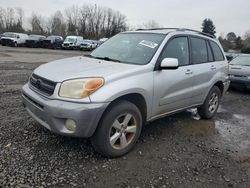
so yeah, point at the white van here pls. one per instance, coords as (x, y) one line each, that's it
(72, 42)
(14, 39)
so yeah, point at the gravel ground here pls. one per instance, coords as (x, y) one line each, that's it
(177, 151)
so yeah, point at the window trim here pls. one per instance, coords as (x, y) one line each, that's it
(158, 62)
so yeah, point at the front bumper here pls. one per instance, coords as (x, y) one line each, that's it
(52, 114)
(85, 47)
(241, 82)
(69, 46)
(7, 42)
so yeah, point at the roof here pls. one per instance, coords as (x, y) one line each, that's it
(168, 30)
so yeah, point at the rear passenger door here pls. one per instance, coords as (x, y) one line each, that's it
(204, 68)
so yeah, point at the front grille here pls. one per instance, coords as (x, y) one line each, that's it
(7, 41)
(30, 41)
(240, 76)
(43, 85)
(66, 44)
(47, 41)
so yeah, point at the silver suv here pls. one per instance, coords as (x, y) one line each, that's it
(133, 78)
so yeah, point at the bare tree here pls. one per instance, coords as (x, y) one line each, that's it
(9, 18)
(58, 25)
(149, 25)
(72, 15)
(36, 24)
(2, 24)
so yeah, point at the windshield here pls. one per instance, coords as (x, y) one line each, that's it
(86, 41)
(132, 48)
(241, 60)
(70, 39)
(35, 37)
(50, 38)
(11, 35)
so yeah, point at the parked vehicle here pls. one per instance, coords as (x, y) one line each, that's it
(231, 56)
(35, 41)
(239, 72)
(88, 45)
(72, 42)
(102, 40)
(53, 42)
(1, 35)
(133, 78)
(14, 39)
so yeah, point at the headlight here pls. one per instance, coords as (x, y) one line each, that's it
(80, 88)
(248, 77)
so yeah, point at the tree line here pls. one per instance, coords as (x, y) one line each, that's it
(230, 41)
(89, 21)
(94, 22)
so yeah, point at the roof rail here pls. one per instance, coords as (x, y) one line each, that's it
(180, 29)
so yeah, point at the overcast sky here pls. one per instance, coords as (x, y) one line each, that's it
(227, 15)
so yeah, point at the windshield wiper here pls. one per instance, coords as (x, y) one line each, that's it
(107, 59)
(103, 58)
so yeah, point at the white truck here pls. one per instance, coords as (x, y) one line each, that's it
(14, 39)
(72, 42)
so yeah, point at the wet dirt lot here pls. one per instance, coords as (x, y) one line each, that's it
(177, 151)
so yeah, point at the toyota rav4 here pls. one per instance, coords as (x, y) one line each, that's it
(133, 78)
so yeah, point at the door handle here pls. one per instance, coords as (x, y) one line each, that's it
(213, 67)
(188, 72)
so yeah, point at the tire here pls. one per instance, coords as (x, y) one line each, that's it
(211, 104)
(113, 125)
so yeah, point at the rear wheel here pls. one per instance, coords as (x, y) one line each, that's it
(118, 130)
(211, 104)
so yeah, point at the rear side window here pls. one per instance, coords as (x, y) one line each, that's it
(199, 50)
(218, 55)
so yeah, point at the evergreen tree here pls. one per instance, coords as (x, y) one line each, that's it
(208, 27)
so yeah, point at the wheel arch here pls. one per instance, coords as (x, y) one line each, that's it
(135, 98)
(220, 85)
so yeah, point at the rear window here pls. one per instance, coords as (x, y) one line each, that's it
(218, 55)
(199, 50)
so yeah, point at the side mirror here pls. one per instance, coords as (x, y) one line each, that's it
(169, 63)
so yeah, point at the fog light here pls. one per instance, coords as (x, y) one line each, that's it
(70, 125)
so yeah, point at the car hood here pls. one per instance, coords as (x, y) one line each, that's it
(81, 67)
(239, 70)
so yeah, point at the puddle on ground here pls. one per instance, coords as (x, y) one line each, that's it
(199, 128)
(230, 134)
(221, 110)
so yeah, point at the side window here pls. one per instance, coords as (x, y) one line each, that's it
(210, 55)
(199, 50)
(218, 55)
(177, 48)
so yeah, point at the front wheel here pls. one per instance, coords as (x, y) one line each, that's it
(118, 130)
(211, 104)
